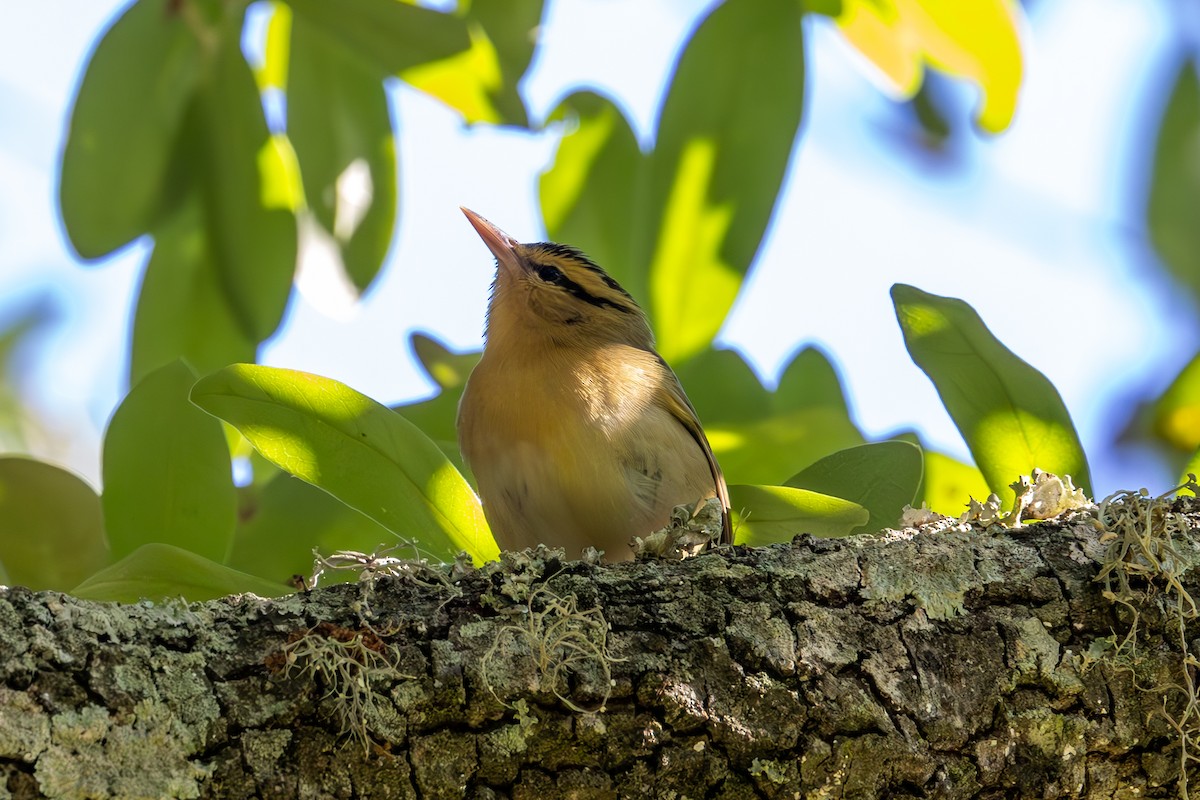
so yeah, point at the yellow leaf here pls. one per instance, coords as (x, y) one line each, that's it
(465, 81)
(272, 74)
(973, 39)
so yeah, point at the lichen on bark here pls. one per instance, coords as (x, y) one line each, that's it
(950, 664)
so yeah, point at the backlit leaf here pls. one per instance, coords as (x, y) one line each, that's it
(444, 367)
(480, 81)
(594, 194)
(388, 35)
(167, 474)
(771, 449)
(771, 514)
(977, 40)
(950, 484)
(1010, 415)
(251, 189)
(882, 477)
(340, 127)
(160, 571)
(359, 451)
(724, 140)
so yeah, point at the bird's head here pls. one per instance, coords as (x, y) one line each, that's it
(556, 293)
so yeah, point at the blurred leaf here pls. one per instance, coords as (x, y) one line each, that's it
(1010, 415)
(339, 124)
(182, 309)
(387, 35)
(447, 369)
(272, 74)
(357, 450)
(769, 450)
(480, 82)
(160, 571)
(828, 8)
(24, 322)
(1177, 413)
(51, 526)
(770, 514)
(167, 475)
(290, 518)
(949, 484)
(809, 380)
(763, 437)
(724, 389)
(594, 194)
(128, 110)
(251, 189)
(978, 41)
(724, 140)
(437, 418)
(1175, 182)
(882, 477)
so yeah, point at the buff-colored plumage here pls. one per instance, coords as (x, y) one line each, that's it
(578, 433)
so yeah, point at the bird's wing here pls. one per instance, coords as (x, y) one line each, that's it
(677, 403)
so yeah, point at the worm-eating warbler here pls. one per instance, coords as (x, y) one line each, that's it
(578, 432)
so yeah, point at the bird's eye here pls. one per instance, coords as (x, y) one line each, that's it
(549, 274)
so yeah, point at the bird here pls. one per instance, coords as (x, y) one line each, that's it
(577, 431)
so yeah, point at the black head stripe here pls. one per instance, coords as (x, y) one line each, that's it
(563, 252)
(574, 289)
(566, 251)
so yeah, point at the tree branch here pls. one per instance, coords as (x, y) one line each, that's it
(960, 663)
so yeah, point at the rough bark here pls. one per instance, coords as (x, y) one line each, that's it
(948, 665)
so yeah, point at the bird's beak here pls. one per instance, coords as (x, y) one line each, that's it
(503, 246)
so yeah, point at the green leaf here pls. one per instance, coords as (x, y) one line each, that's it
(763, 437)
(724, 388)
(387, 35)
(339, 124)
(51, 526)
(950, 484)
(182, 309)
(1010, 415)
(769, 450)
(167, 474)
(251, 190)
(594, 194)
(129, 108)
(680, 227)
(946, 483)
(161, 571)
(810, 380)
(288, 519)
(480, 82)
(1175, 181)
(724, 140)
(446, 368)
(512, 28)
(1176, 413)
(882, 477)
(771, 514)
(354, 448)
(978, 41)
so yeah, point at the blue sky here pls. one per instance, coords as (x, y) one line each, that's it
(1040, 229)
